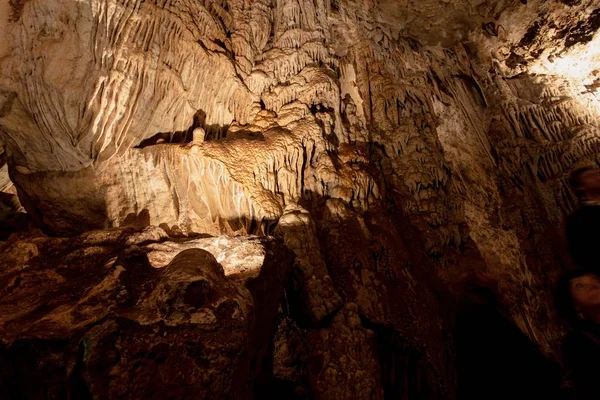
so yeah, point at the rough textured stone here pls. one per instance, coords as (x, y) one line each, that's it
(12, 213)
(316, 296)
(92, 317)
(393, 146)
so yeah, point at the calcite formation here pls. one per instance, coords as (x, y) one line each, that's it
(12, 213)
(137, 315)
(392, 146)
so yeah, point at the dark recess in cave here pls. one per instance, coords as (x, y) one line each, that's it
(404, 370)
(495, 360)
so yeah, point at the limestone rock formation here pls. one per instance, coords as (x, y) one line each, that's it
(12, 214)
(121, 314)
(393, 146)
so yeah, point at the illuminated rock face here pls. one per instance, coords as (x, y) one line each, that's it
(393, 146)
(138, 315)
(262, 106)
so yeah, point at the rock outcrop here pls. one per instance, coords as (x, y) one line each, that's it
(393, 146)
(137, 315)
(12, 214)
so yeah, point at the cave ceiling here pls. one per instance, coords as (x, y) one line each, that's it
(392, 146)
(271, 101)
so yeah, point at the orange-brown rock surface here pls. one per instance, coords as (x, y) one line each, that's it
(393, 146)
(123, 314)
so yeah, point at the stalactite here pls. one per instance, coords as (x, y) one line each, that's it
(229, 117)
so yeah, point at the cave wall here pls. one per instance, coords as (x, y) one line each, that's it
(393, 152)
